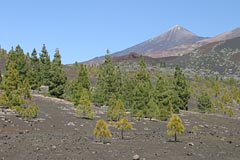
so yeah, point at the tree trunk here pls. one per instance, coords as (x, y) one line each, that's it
(175, 137)
(122, 133)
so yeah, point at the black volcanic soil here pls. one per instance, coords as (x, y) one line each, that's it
(59, 135)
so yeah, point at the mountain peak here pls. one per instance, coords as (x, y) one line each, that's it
(177, 29)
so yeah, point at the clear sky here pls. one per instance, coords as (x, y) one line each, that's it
(84, 29)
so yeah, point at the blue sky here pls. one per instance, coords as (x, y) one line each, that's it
(84, 29)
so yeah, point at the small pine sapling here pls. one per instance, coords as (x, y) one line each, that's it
(175, 126)
(123, 124)
(101, 130)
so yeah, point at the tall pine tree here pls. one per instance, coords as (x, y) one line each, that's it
(45, 65)
(57, 75)
(181, 87)
(11, 85)
(108, 83)
(34, 72)
(82, 82)
(83, 77)
(127, 89)
(142, 90)
(19, 59)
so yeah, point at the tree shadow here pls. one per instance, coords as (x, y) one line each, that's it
(172, 141)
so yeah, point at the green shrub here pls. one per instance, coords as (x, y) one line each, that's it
(27, 113)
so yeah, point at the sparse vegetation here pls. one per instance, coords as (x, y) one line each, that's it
(118, 90)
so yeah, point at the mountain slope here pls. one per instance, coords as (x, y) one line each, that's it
(186, 48)
(224, 36)
(221, 57)
(175, 36)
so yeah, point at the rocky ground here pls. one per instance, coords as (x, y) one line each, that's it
(58, 134)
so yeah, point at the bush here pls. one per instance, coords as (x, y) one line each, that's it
(28, 112)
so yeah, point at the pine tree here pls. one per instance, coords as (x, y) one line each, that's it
(85, 107)
(175, 126)
(34, 73)
(123, 124)
(142, 90)
(26, 89)
(127, 93)
(204, 103)
(160, 87)
(45, 65)
(171, 101)
(70, 90)
(11, 78)
(101, 130)
(142, 75)
(108, 83)
(82, 82)
(77, 92)
(3, 52)
(21, 63)
(58, 77)
(19, 59)
(11, 85)
(116, 109)
(3, 100)
(83, 77)
(152, 110)
(181, 87)
(164, 113)
(166, 98)
(17, 91)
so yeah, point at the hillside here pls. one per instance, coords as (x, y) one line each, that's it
(216, 58)
(224, 36)
(221, 57)
(134, 57)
